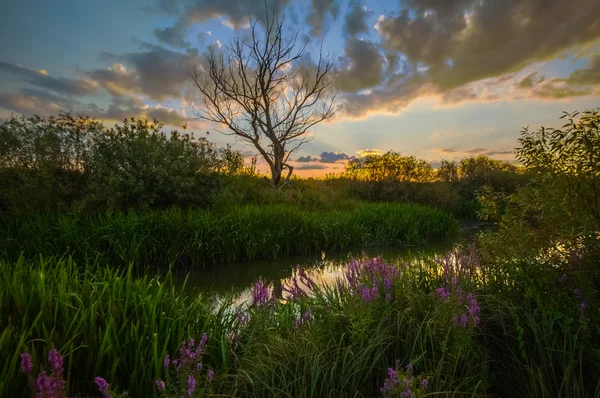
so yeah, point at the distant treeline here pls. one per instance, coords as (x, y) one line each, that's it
(76, 163)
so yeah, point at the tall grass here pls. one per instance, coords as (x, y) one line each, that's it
(198, 237)
(107, 323)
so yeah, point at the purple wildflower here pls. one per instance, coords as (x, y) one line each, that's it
(260, 293)
(577, 293)
(167, 361)
(443, 293)
(160, 385)
(406, 394)
(425, 384)
(390, 382)
(43, 385)
(583, 305)
(307, 315)
(464, 320)
(26, 364)
(191, 385)
(103, 386)
(473, 308)
(56, 361)
(409, 368)
(455, 321)
(387, 284)
(211, 375)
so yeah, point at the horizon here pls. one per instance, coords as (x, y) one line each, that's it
(430, 79)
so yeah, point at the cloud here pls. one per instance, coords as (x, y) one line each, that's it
(589, 75)
(318, 13)
(43, 103)
(368, 152)
(34, 103)
(236, 11)
(361, 67)
(461, 41)
(333, 157)
(447, 150)
(173, 35)
(387, 98)
(559, 89)
(158, 73)
(306, 159)
(527, 82)
(41, 78)
(475, 151)
(499, 152)
(316, 166)
(355, 19)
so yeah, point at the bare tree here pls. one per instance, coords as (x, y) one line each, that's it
(265, 93)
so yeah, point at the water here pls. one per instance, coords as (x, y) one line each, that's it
(324, 268)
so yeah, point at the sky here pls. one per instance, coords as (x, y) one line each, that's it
(437, 79)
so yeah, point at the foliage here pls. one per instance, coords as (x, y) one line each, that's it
(392, 166)
(322, 340)
(68, 162)
(555, 214)
(104, 322)
(134, 164)
(197, 237)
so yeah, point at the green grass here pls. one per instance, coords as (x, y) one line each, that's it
(197, 237)
(109, 323)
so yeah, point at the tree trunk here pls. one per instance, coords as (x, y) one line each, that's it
(276, 172)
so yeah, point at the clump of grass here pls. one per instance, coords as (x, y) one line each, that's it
(328, 341)
(106, 323)
(199, 237)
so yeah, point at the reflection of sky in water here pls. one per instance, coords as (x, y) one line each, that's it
(236, 280)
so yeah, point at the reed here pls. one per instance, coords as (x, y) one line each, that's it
(157, 239)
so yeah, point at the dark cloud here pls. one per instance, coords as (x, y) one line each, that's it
(118, 80)
(355, 19)
(40, 78)
(316, 166)
(527, 82)
(467, 40)
(306, 159)
(318, 14)
(173, 36)
(158, 73)
(387, 98)
(498, 152)
(332, 157)
(447, 150)
(589, 75)
(361, 67)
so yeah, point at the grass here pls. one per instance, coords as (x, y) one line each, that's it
(108, 323)
(198, 237)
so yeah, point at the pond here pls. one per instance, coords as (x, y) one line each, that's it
(238, 278)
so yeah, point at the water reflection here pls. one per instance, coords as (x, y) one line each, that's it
(237, 279)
